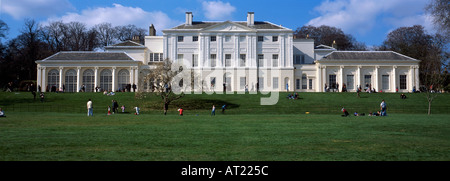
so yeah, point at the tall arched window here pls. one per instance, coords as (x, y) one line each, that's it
(89, 80)
(53, 80)
(124, 78)
(71, 81)
(106, 80)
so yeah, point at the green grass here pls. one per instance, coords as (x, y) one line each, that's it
(247, 132)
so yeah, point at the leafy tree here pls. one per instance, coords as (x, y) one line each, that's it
(326, 35)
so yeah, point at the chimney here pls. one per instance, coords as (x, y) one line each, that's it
(152, 31)
(136, 39)
(189, 17)
(250, 18)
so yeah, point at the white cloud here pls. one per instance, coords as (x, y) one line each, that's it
(19, 9)
(361, 16)
(217, 10)
(119, 15)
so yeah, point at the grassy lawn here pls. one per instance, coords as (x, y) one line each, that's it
(59, 129)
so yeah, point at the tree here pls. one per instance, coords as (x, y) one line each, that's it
(128, 32)
(415, 42)
(161, 78)
(3, 29)
(106, 34)
(440, 11)
(326, 35)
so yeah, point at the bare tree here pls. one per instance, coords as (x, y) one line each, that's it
(440, 11)
(161, 79)
(106, 34)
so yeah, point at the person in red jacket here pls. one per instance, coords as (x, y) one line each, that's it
(181, 111)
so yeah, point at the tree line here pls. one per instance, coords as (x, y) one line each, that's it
(37, 42)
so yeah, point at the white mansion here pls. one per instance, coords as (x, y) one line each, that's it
(231, 55)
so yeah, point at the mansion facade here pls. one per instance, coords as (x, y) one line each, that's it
(231, 56)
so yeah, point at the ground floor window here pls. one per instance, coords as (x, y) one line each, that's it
(106, 80)
(53, 80)
(124, 79)
(89, 80)
(297, 83)
(402, 81)
(275, 83)
(71, 81)
(304, 81)
(368, 81)
(350, 82)
(310, 84)
(242, 81)
(332, 81)
(385, 82)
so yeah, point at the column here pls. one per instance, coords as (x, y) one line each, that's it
(416, 75)
(319, 79)
(324, 77)
(394, 78)
(411, 78)
(136, 75)
(113, 79)
(219, 56)
(376, 78)
(341, 78)
(201, 51)
(60, 77)
(281, 55)
(236, 52)
(44, 81)
(358, 77)
(78, 79)
(95, 78)
(131, 76)
(38, 81)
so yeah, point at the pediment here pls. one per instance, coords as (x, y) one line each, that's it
(229, 26)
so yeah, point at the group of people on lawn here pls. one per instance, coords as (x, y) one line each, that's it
(381, 112)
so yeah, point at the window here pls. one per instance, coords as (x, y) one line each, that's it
(275, 82)
(260, 83)
(297, 83)
(180, 38)
(368, 80)
(106, 80)
(385, 82)
(195, 38)
(332, 81)
(260, 38)
(227, 60)
(275, 60)
(227, 38)
(261, 60)
(299, 59)
(242, 82)
(213, 60)
(71, 81)
(89, 80)
(242, 38)
(310, 83)
(242, 60)
(194, 60)
(180, 57)
(350, 82)
(304, 81)
(213, 38)
(156, 57)
(213, 82)
(124, 79)
(53, 79)
(274, 38)
(402, 81)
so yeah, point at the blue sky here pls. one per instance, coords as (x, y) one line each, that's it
(369, 21)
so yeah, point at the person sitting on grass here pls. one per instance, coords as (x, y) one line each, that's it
(2, 114)
(345, 112)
